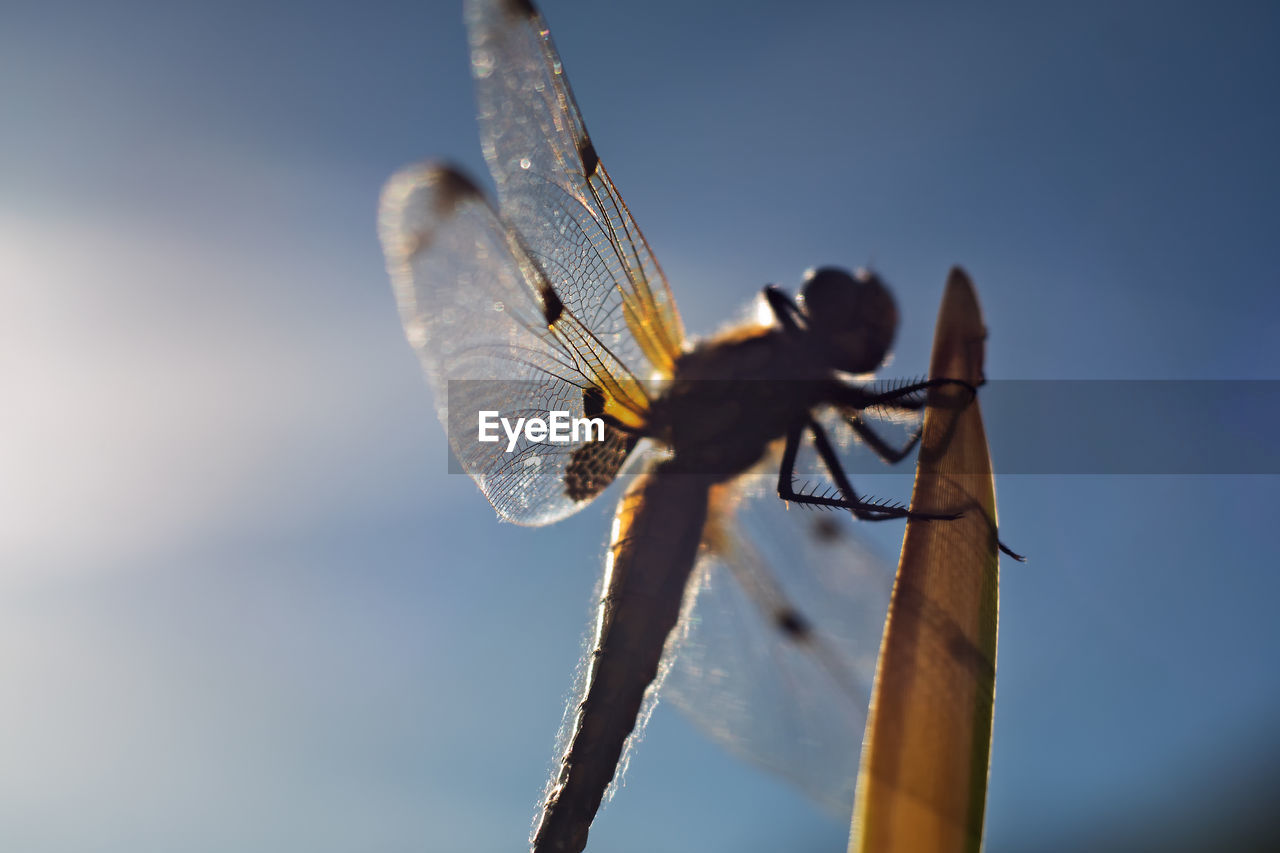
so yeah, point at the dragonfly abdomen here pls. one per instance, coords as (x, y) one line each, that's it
(657, 531)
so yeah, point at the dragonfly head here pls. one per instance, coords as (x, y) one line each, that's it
(852, 318)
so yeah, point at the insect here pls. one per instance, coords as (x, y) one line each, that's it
(555, 301)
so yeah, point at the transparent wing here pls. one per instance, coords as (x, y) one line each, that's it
(553, 190)
(779, 646)
(493, 335)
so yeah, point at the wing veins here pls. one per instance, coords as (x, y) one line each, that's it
(634, 269)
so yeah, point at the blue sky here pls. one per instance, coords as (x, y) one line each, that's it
(243, 605)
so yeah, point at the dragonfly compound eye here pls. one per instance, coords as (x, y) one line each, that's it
(852, 318)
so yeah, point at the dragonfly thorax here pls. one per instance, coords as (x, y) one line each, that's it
(851, 318)
(733, 395)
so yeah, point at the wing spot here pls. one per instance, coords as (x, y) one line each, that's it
(521, 7)
(587, 154)
(442, 189)
(595, 464)
(826, 530)
(791, 623)
(451, 189)
(552, 307)
(592, 401)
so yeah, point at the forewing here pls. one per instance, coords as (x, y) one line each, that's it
(553, 190)
(493, 335)
(779, 647)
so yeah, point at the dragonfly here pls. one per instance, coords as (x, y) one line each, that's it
(555, 301)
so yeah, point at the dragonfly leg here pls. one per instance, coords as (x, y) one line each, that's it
(848, 498)
(888, 454)
(786, 478)
(905, 398)
(787, 470)
(852, 397)
(863, 509)
(784, 308)
(1012, 553)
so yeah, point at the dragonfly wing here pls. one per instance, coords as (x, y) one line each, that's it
(553, 190)
(778, 666)
(493, 335)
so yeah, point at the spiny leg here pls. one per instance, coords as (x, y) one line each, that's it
(888, 454)
(865, 510)
(892, 455)
(857, 399)
(787, 470)
(854, 397)
(860, 508)
(787, 490)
